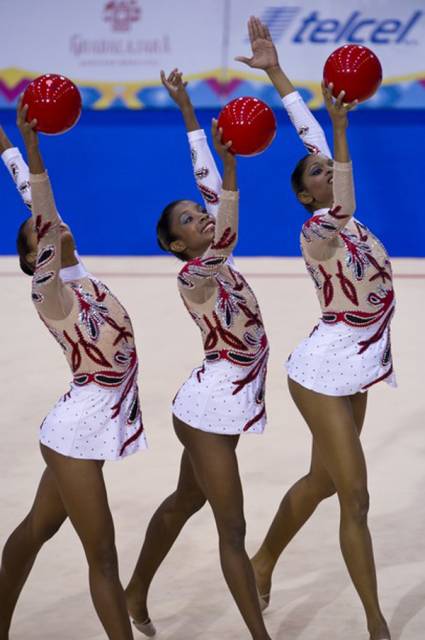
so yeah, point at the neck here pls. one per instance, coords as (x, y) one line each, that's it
(323, 205)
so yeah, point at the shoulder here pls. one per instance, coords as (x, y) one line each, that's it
(318, 226)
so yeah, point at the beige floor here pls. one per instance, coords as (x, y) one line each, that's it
(312, 598)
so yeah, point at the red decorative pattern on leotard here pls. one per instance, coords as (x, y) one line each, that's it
(226, 239)
(365, 295)
(208, 194)
(99, 345)
(42, 228)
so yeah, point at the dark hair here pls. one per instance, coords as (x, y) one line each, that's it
(23, 248)
(297, 182)
(163, 232)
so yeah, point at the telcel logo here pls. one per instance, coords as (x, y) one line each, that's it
(356, 28)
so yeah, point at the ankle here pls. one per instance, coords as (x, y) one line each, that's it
(378, 629)
(263, 563)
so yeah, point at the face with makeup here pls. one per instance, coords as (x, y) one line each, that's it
(317, 179)
(191, 228)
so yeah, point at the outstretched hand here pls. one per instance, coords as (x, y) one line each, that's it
(336, 107)
(176, 88)
(27, 129)
(264, 54)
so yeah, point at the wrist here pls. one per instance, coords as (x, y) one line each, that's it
(186, 107)
(4, 143)
(31, 146)
(273, 69)
(229, 161)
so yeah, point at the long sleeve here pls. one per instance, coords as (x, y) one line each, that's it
(207, 176)
(325, 224)
(49, 294)
(19, 171)
(197, 276)
(309, 130)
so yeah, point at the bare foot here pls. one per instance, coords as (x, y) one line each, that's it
(136, 604)
(379, 631)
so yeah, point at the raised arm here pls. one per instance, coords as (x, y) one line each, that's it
(16, 166)
(52, 298)
(265, 57)
(323, 226)
(195, 277)
(207, 176)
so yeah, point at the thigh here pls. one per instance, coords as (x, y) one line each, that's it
(82, 489)
(335, 434)
(188, 487)
(214, 461)
(358, 405)
(47, 512)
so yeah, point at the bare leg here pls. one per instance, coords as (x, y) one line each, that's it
(298, 504)
(214, 461)
(20, 551)
(335, 434)
(82, 489)
(164, 527)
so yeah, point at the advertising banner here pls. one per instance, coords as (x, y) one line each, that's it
(115, 49)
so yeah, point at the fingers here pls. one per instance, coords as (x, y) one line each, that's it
(261, 28)
(340, 100)
(166, 81)
(268, 35)
(244, 60)
(338, 103)
(256, 27)
(217, 133)
(22, 113)
(352, 105)
(172, 75)
(179, 78)
(327, 92)
(174, 80)
(214, 126)
(251, 30)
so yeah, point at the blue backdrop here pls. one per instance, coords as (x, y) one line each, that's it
(115, 171)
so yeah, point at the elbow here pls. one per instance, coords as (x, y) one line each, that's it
(226, 242)
(351, 207)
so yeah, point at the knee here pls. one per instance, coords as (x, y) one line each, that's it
(102, 558)
(232, 532)
(188, 503)
(356, 504)
(319, 488)
(41, 531)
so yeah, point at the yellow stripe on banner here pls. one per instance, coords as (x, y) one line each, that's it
(127, 91)
(110, 92)
(12, 75)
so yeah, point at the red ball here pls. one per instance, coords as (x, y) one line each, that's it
(55, 101)
(354, 69)
(249, 123)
